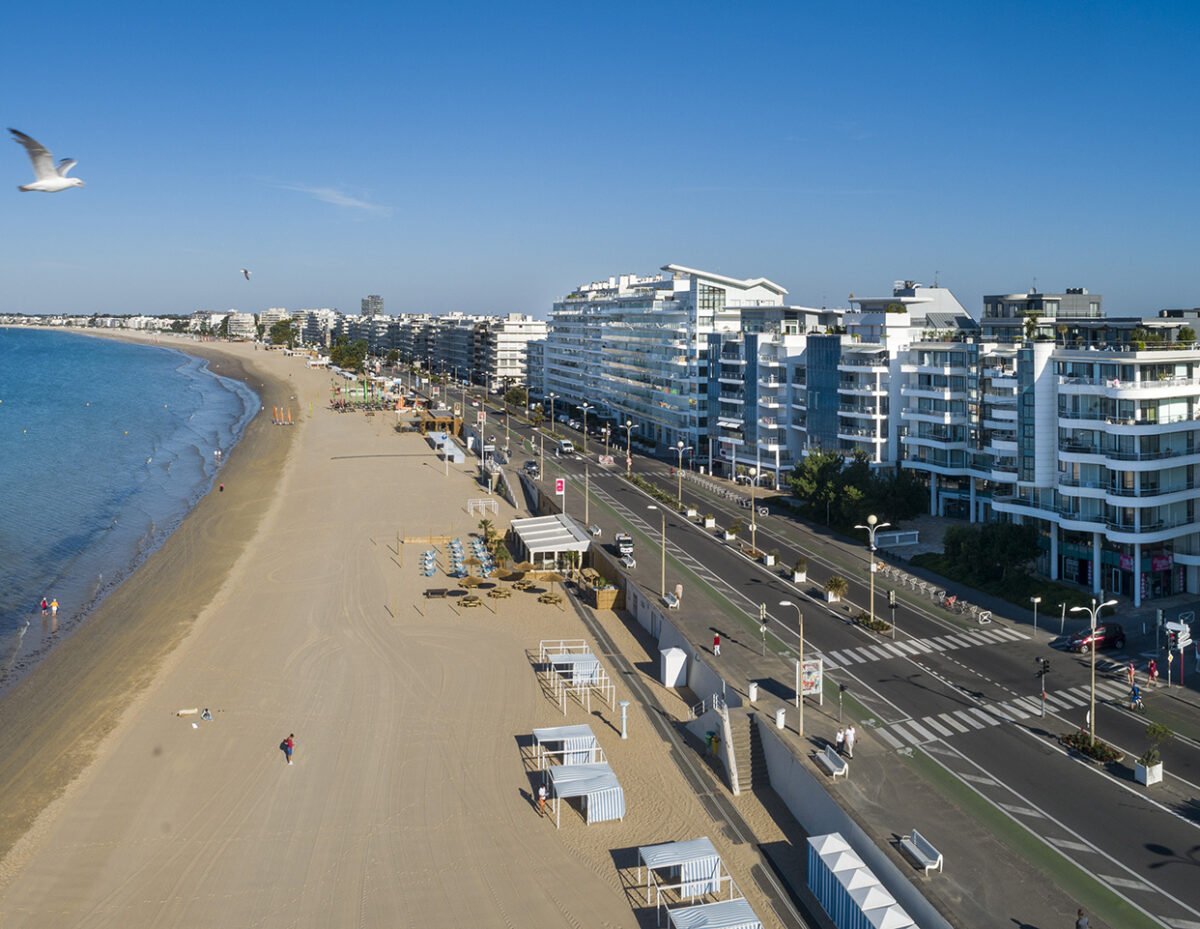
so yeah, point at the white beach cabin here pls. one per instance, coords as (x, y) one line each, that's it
(566, 744)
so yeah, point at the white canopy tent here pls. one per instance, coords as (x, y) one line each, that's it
(572, 744)
(693, 869)
(544, 538)
(568, 666)
(603, 798)
(728, 914)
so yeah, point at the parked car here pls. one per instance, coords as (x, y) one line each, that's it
(627, 561)
(1106, 635)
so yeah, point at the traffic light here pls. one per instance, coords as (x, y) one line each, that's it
(1045, 665)
(892, 599)
(1172, 640)
(762, 614)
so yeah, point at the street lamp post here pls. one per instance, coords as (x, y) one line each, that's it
(800, 689)
(584, 407)
(662, 582)
(1093, 611)
(607, 430)
(628, 446)
(1035, 601)
(753, 521)
(873, 525)
(552, 396)
(681, 448)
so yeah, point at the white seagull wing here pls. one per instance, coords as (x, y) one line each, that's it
(66, 165)
(43, 161)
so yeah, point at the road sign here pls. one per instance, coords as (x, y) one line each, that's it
(481, 417)
(560, 485)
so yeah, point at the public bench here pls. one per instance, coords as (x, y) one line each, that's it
(671, 601)
(919, 847)
(435, 592)
(834, 763)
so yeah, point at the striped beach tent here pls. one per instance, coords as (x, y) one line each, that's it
(695, 864)
(575, 745)
(728, 914)
(597, 786)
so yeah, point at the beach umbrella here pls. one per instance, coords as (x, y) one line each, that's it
(524, 567)
(469, 581)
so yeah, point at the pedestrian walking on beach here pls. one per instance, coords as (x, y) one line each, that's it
(1081, 921)
(45, 606)
(850, 737)
(1152, 673)
(717, 644)
(839, 740)
(54, 607)
(289, 745)
(542, 800)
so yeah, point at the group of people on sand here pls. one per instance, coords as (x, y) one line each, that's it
(51, 607)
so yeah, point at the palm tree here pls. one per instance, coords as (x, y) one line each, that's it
(488, 531)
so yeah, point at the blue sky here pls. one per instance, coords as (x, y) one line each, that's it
(489, 157)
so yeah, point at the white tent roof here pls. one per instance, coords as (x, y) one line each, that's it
(861, 877)
(562, 733)
(889, 917)
(728, 914)
(551, 535)
(579, 780)
(677, 853)
(832, 842)
(842, 861)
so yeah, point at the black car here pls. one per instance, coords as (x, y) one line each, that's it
(1105, 635)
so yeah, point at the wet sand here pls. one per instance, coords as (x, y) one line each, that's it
(285, 605)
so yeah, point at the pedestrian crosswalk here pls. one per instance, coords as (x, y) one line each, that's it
(971, 718)
(908, 648)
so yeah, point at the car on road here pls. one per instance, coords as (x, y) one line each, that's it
(627, 561)
(593, 529)
(1105, 635)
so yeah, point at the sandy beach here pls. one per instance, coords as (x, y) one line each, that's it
(285, 605)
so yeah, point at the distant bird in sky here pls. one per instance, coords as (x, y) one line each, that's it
(246, 274)
(49, 178)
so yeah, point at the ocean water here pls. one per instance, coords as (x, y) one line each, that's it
(104, 447)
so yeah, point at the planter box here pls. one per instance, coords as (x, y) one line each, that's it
(769, 560)
(730, 536)
(1147, 775)
(799, 577)
(710, 522)
(691, 512)
(832, 597)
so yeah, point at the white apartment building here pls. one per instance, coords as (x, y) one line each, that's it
(635, 348)
(501, 349)
(242, 326)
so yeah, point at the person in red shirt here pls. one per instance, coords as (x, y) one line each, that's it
(289, 745)
(717, 644)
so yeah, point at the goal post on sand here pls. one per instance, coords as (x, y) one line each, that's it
(481, 505)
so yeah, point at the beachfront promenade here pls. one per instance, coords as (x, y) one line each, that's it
(287, 608)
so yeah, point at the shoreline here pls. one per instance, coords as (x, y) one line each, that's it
(53, 720)
(116, 564)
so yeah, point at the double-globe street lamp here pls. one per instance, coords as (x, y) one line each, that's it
(681, 448)
(799, 667)
(1093, 611)
(873, 525)
(552, 396)
(628, 446)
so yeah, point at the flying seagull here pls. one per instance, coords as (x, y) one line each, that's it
(246, 274)
(49, 179)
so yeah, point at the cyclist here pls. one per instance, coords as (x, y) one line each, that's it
(1135, 698)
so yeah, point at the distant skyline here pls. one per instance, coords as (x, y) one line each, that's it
(486, 159)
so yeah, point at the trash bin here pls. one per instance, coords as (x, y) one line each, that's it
(753, 691)
(780, 717)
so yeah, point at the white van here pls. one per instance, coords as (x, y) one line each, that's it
(566, 447)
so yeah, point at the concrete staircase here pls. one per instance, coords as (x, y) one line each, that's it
(747, 750)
